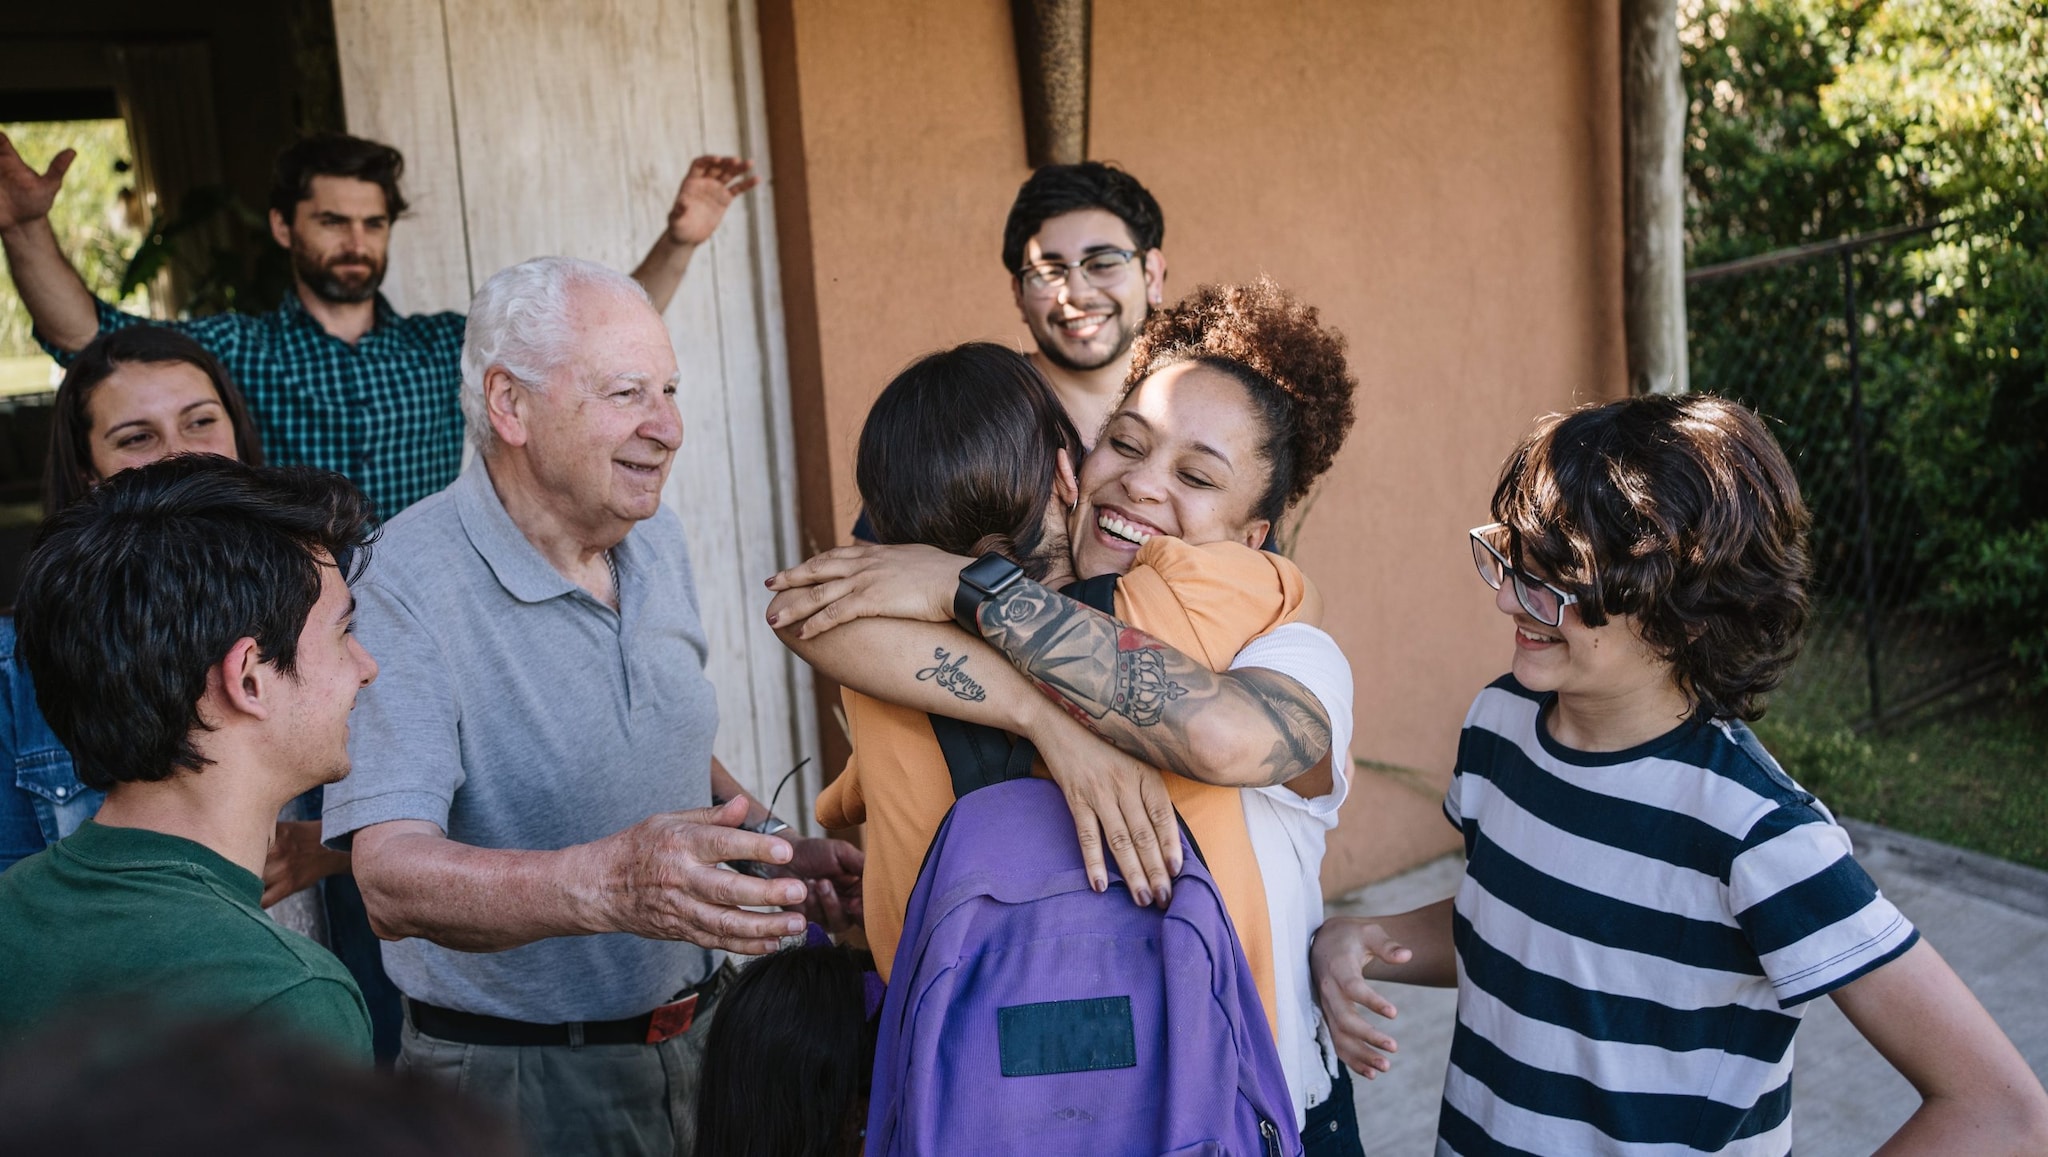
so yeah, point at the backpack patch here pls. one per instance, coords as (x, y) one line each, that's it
(1066, 1036)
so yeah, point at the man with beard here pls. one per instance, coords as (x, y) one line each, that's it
(335, 376)
(1082, 248)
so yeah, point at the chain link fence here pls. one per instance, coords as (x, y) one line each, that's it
(1797, 335)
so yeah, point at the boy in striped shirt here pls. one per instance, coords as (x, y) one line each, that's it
(1649, 901)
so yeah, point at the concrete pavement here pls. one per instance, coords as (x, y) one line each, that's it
(1989, 918)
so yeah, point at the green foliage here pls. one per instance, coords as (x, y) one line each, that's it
(91, 217)
(2002, 582)
(221, 246)
(1829, 762)
(1972, 779)
(1816, 118)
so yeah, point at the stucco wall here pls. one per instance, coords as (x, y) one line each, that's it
(1441, 180)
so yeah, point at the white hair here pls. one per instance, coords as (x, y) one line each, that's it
(522, 321)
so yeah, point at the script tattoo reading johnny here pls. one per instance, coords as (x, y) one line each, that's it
(1141, 694)
(947, 674)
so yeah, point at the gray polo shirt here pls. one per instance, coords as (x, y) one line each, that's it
(516, 711)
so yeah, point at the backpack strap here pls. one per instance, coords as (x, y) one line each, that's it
(1098, 592)
(978, 755)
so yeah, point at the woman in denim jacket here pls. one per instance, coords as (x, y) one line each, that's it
(131, 397)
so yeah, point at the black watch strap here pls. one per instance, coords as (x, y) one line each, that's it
(981, 580)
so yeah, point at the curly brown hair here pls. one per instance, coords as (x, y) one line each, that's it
(1277, 347)
(1681, 511)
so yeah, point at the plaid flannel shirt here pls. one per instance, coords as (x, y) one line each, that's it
(385, 412)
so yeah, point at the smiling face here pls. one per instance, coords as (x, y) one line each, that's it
(600, 439)
(338, 237)
(1613, 689)
(1079, 326)
(144, 411)
(1180, 457)
(330, 667)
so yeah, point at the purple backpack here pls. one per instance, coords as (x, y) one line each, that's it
(1028, 1014)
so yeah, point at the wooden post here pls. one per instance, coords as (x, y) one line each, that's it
(1052, 67)
(1653, 196)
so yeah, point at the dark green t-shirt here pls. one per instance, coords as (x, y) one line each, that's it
(120, 914)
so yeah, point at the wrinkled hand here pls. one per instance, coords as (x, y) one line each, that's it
(297, 860)
(1116, 801)
(707, 191)
(1342, 950)
(26, 195)
(831, 870)
(866, 581)
(664, 881)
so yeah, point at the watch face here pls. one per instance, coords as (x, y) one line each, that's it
(990, 573)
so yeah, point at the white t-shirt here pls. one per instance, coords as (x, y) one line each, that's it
(1288, 836)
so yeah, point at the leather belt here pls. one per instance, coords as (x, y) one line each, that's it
(470, 1028)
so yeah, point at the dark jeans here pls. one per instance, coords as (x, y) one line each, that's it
(1332, 1128)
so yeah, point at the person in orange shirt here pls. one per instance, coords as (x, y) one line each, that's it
(1212, 668)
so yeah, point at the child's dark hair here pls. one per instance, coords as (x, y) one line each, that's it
(1682, 512)
(1278, 349)
(959, 452)
(789, 1058)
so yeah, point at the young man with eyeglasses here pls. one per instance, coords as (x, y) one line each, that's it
(1082, 248)
(1649, 901)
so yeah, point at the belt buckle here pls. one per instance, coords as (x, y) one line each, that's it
(671, 1020)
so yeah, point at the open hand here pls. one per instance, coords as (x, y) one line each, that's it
(26, 195)
(665, 881)
(1342, 950)
(707, 191)
(1117, 801)
(866, 581)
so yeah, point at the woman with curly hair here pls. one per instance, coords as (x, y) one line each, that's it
(1238, 400)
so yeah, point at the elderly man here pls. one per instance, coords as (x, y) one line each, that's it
(530, 811)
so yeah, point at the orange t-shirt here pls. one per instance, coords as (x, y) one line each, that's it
(1206, 602)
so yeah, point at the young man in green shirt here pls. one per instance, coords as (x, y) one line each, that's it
(188, 625)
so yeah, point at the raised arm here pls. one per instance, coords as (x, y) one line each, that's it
(707, 191)
(56, 297)
(1244, 728)
(659, 879)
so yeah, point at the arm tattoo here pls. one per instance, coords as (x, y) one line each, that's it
(1143, 695)
(947, 673)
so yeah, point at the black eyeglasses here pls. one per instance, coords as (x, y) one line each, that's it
(1544, 601)
(1103, 269)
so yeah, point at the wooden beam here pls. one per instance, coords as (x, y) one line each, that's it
(1052, 70)
(1653, 196)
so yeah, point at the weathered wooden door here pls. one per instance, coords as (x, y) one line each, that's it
(536, 127)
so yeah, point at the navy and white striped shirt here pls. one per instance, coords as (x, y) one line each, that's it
(1637, 934)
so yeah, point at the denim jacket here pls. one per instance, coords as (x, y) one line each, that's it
(41, 798)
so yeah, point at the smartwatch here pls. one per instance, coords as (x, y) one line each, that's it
(980, 581)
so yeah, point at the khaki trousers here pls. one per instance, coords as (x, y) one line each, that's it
(588, 1101)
